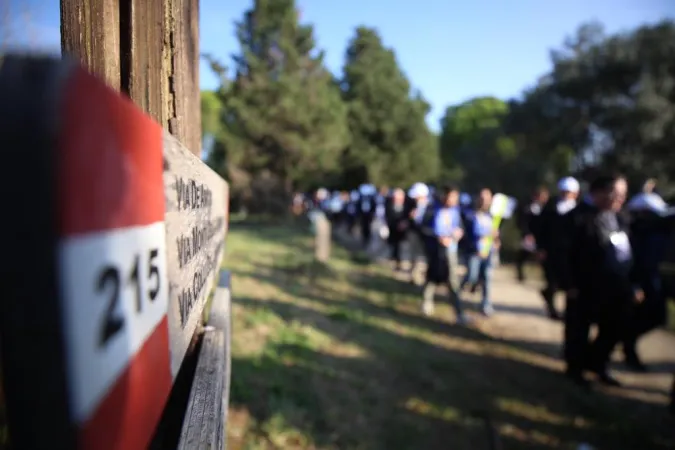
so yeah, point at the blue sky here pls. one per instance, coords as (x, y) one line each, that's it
(451, 50)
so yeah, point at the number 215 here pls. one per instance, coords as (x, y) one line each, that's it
(110, 280)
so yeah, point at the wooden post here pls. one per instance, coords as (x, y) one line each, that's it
(148, 49)
(90, 30)
(322, 238)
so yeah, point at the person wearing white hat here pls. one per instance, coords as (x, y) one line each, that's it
(550, 239)
(419, 211)
(649, 235)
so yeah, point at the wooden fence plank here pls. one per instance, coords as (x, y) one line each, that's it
(90, 31)
(206, 416)
(185, 117)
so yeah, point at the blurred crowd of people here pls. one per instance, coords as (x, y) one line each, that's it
(600, 250)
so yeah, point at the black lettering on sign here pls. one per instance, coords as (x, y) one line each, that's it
(184, 250)
(185, 303)
(110, 279)
(193, 195)
(200, 236)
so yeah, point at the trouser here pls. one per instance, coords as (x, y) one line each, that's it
(417, 248)
(521, 258)
(366, 224)
(581, 312)
(478, 270)
(552, 286)
(395, 247)
(451, 255)
(350, 221)
(646, 316)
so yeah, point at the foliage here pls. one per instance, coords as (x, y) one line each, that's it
(285, 123)
(608, 102)
(283, 115)
(391, 143)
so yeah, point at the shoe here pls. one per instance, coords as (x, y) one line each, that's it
(427, 308)
(633, 363)
(553, 315)
(488, 310)
(463, 319)
(608, 380)
(577, 378)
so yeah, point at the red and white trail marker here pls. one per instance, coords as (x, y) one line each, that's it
(139, 225)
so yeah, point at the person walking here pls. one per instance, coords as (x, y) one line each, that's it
(599, 279)
(420, 212)
(443, 261)
(398, 219)
(482, 239)
(527, 221)
(551, 242)
(650, 228)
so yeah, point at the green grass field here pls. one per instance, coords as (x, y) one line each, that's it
(338, 357)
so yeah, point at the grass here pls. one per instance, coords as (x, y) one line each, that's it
(337, 356)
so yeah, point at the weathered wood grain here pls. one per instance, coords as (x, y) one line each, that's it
(182, 28)
(196, 224)
(90, 32)
(148, 49)
(202, 424)
(145, 27)
(205, 419)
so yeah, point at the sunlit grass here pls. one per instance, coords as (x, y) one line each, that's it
(337, 356)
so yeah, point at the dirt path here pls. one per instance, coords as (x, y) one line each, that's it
(520, 318)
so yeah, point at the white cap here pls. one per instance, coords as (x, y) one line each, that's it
(648, 201)
(418, 190)
(322, 193)
(568, 184)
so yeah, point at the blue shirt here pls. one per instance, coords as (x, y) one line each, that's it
(446, 221)
(480, 230)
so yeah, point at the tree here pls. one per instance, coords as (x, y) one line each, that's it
(391, 143)
(283, 102)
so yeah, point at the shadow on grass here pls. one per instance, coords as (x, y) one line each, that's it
(408, 382)
(403, 392)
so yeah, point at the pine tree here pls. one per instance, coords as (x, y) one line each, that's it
(391, 143)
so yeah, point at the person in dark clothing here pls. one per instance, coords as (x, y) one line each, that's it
(351, 209)
(421, 210)
(550, 239)
(366, 213)
(442, 253)
(650, 230)
(599, 278)
(527, 221)
(397, 215)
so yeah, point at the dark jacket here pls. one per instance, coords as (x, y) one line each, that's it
(398, 221)
(595, 266)
(366, 207)
(426, 226)
(528, 219)
(549, 228)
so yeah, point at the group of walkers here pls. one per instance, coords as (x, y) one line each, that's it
(442, 227)
(604, 254)
(601, 251)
